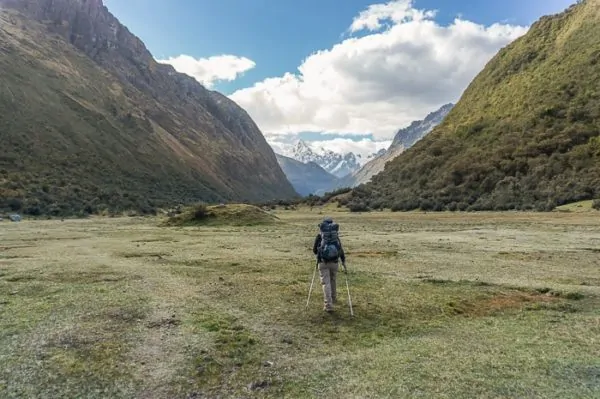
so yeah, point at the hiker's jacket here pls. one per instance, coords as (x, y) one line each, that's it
(318, 243)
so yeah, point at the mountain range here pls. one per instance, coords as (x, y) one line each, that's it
(92, 122)
(314, 172)
(525, 134)
(338, 164)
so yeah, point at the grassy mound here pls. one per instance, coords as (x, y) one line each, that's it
(228, 215)
(580, 206)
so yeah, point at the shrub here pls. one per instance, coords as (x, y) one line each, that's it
(15, 204)
(358, 207)
(462, 206)
(596, 204)
(398, 207)
(427, 205)
(200, 212)
(376, 204)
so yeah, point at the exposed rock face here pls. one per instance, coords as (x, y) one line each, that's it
(214, 138)
(408, 136)
(404, 139)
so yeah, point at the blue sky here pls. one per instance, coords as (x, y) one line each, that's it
(277, 36)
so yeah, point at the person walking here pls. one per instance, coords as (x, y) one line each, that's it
(329, 251)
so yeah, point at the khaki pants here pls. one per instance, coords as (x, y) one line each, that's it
(327, 273)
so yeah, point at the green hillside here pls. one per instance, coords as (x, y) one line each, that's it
(524, 135)
(81, 136)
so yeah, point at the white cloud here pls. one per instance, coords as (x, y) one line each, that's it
(210, 70)
(394, 11)
(378, 82)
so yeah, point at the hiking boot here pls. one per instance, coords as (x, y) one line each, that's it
(328, 309)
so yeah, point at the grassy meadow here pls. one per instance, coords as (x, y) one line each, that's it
(488, 305)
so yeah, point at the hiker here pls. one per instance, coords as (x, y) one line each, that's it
(328, 249)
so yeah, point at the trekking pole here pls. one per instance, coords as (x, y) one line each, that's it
(311, 285)
(348, 288)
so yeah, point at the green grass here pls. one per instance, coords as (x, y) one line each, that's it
(580, 206)
(465, 305)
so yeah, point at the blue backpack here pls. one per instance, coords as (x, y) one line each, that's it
(329, 249)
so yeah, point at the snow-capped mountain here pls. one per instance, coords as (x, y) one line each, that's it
(335, 163)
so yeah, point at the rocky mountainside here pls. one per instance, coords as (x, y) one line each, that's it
(91, 121)
(308, 178)
(408, 136)
(404, 139)
(524, 135)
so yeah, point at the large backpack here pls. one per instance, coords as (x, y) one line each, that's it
(329, 249)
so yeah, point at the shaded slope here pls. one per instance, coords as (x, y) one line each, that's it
(524, 134)
(308, 178)
(99, 124)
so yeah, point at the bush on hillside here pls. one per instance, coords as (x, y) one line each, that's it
(221, 215)
(15, 204)
(596, 204)
(200, 212)
(358, 207)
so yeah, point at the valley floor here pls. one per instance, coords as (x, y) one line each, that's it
(446, 305)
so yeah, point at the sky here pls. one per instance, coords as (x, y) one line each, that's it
(339, 74)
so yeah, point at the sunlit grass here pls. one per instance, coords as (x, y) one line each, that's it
(445, 305)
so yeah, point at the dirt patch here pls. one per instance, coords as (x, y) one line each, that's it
(86, 277)
(510, 301)
(16, 257)
(8, 247)
(159, 255)
(369, 254)
(165, 322)
(595, 250)
(19, 278)
(259, 385)
(159, 239)
(74, 339)
(534, 256)
(125, 314)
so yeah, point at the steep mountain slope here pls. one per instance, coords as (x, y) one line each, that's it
(404, 138)
(525, 133)
(307, 178)
(90, 120)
